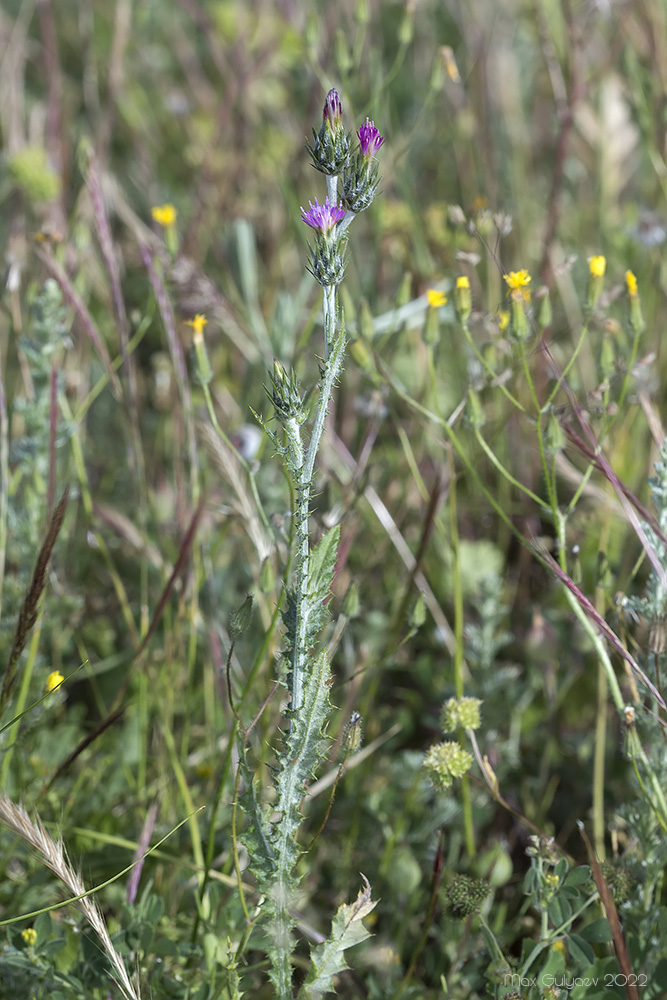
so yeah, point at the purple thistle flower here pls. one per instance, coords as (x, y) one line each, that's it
(322, 217)
(333, 110)
(370, 139)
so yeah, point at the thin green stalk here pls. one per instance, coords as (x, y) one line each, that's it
(490, 370)
(505, 472)
(656, 797)
(600, 725)
(468, 827)
(87, 500)
(241, 460)
(539, 411)
(461, 452)
(557, 932)
(568, 366)
(22, 697)
(4, 483)
(586, 623)
(195, 836)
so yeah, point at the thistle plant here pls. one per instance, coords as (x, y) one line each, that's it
(271, 839)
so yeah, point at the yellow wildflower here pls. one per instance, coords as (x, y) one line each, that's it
(164, 215)
(29, 935)
(559, 946)
(435, 298)
(634, 305)
(198, 324)
(463, 299)
(53, 681)
(451, 68)
(517, 281)
(503, 320)
(597, 266)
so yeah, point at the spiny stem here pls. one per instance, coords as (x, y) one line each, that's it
(299, 653)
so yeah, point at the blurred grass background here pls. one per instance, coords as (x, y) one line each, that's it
(545, 120)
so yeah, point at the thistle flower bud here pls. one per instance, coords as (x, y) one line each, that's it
(330, 148)
(360, 181)
(333, 110)
(285, 394)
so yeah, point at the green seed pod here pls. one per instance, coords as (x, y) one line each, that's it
(267, 578)
(545, 315)
(351, 601)
(418, 615)
(475, 411)
(555, 436)
(431, 329)
(365, 321)
(404, 293)
(240, 619)
(352, 734)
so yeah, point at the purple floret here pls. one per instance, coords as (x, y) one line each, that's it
(322, 217)
(369, 138)
(333, 110)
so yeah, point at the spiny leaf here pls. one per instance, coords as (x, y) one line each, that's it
(256, 836)
(328, 959)
(322, 565)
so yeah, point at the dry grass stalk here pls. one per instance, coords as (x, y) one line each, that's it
(55, 858)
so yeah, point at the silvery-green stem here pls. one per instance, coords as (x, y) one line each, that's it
(329, 307)
(299, 652)
(332, 188)
(344, 224)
